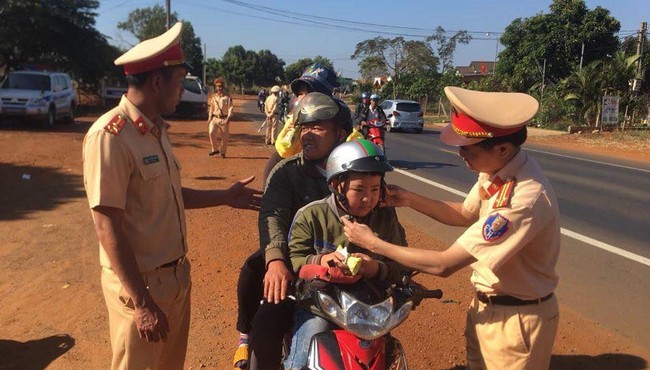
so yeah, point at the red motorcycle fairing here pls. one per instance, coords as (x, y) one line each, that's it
(340, 350)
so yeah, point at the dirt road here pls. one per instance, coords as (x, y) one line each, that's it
(52, 312)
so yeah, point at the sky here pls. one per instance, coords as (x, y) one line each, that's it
(282, 26)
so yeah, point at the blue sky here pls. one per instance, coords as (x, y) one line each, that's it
(221, 24)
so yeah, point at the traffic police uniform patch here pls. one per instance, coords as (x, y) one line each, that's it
(494, 227)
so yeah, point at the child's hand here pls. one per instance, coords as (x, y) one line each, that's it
(338, 260)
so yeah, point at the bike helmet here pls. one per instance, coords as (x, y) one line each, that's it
(356, 156)
(374, 97)
(316, 107)
(318, 78)
(365, 95)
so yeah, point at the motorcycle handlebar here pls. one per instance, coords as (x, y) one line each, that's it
(434, 293)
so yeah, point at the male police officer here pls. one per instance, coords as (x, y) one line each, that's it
(132, 181)
(219, 113)
(512, 239)
(271, 112)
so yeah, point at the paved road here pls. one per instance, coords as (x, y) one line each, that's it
(604, 203)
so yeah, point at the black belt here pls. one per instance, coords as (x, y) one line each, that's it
(220, 117)
(506, 300)
(173, 263)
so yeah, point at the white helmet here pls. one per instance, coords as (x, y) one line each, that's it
(356, 156)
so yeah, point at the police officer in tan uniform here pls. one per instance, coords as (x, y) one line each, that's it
(271, 111)
(219, 113)
(512, 241)
(133, 184)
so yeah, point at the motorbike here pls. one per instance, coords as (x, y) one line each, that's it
(260, 104)
(365, 314)
(375, 132)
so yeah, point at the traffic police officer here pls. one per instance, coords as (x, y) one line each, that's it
(512, 241)
(219, 113)
(271, 111)
(132, 181)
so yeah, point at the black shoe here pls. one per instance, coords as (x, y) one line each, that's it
(223, 155)
(213, 153)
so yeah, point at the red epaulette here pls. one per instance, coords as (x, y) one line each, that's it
(141, 125)
(115, 125)
(505, 193)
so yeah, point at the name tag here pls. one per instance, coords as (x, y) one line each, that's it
(151, 159)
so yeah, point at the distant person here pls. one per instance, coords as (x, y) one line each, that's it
(371, 112)
(219, 112)
(512, 240)
(362, 106)
(271, 109)
(133, 185)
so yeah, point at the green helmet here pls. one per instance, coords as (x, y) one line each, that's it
(316, 107)
(356, 156)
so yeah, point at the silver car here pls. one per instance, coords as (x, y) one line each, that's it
(403, 115)
(45, 96)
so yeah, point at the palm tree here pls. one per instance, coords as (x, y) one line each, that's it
(583, 88)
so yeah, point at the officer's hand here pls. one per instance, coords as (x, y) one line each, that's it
(394, 196)
(240, 196)
(276, 281)
(359, 234)
(369, 267)
(151, 322)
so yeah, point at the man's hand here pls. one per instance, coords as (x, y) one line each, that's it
(240, 196)
(395, 196)
(359, 234)
(276, 281)
(151, 322)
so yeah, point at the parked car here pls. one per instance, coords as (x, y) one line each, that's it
(194, 100)
(403, 115)
(46, 96)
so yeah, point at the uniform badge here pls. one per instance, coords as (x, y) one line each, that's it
(151, 159)
(115, 125)
(140, 125)
(505, 194)
(495, 226)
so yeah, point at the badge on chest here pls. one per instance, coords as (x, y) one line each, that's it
(151, 159)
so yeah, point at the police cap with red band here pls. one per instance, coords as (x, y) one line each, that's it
(158, 52)
(479, 115)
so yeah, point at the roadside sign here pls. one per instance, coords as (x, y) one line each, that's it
(377, 83)
(610, 110)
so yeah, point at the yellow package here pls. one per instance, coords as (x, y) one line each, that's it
(355, 135)
(288, 142)
(353, 263)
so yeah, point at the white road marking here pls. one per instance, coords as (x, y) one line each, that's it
(569, 233)
(449, 151)
(588, 160)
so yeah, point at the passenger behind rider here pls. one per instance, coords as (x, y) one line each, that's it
(355, 175)
(371, 112)
(325, 123)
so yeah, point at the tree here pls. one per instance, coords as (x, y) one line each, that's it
(269, 68)
(557, 37)
(55, 34)
(395, 56)
(294, 70)
(150, 22)
(239, 66)
(447, 46)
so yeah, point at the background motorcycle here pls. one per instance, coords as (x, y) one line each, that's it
(365, 314)
(376, 132)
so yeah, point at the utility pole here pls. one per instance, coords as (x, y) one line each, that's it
(205, 60)
(582, 54)
(168, 14)
(541, 95)
(496, 55)
(636, 82)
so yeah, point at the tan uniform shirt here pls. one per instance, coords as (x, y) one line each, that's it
(220, 106)
(129, 164)
(271, 105)
(517, 245)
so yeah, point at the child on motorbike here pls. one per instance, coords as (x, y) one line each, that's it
(355, 175)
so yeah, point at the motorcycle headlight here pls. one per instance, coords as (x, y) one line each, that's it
(363, 320)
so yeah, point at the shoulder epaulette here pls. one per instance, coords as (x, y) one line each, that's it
(505, 193)
(116, 124)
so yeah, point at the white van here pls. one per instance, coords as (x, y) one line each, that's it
(46, 96)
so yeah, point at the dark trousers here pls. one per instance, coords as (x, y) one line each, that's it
(266, 324)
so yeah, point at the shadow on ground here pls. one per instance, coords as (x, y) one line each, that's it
(27, 189)
(607, 361)
(34, 354)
